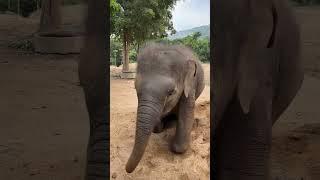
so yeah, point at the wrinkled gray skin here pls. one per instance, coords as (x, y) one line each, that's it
(169, 79)
(93, 76)
(257, 73)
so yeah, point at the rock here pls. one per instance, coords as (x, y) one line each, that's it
(59, 43)
(184, 177)
(128, 75)
(114, 175)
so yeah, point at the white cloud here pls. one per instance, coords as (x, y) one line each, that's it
(191, 13)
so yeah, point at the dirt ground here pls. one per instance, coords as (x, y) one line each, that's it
(44, 124)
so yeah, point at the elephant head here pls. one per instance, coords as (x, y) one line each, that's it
(163, 75)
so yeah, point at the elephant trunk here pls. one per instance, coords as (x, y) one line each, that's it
(148, 114)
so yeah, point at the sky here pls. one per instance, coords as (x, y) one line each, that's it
(191, 13)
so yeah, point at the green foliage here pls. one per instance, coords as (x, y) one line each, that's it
(24, 44)
(115, 51)
(115, 14)
(114, 7)
(26, 6)
(3, 5)
(201, 46)
(135, 21)
(133, 54)
(141, 19)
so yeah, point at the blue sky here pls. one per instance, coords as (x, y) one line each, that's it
(191, 13)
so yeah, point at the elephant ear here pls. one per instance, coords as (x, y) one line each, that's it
(257, 57)
(254, 74)
(190, 77)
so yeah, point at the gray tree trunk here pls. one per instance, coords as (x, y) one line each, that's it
(9, 5)
(18, 7)
(125, 66)
(50, 16)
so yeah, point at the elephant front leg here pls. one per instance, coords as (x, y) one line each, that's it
(158, 128)
(166, 123)
(184, 124)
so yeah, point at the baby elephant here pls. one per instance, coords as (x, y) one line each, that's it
(169, 80)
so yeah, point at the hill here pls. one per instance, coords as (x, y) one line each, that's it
(204, 30)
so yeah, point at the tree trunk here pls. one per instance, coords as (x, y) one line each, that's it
(18, 8)
(93, 75)
(50, 15)
(125, 67)
(38, 4)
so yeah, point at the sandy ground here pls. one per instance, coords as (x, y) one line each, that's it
(44, 124)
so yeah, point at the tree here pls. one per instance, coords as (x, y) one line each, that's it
(115, 51)
(201, 46)
(136, 21)
(306, 2)
(21, 7)
(50, 15)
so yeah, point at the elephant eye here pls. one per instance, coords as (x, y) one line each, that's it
(171, 91)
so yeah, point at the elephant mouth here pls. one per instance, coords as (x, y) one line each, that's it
(169, 106)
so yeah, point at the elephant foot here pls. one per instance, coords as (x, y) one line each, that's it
(179, 148)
